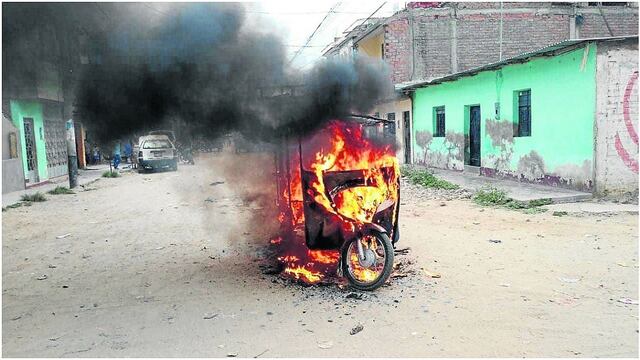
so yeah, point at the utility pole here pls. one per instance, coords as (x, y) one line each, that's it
(501, 17)
(72, 157)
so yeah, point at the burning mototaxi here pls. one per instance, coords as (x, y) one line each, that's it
(338, 197)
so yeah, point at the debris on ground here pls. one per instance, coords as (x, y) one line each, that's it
(216, 183)
(272, 269)
(209, 316)
(42, 277)
(569, 280)
(356, 296)
(63, 236)
(209, 199)
(495, 241)
(160, 248)
(232, 354)
(628, 301)
(622, 263)
(560, 213)
(325, 344)
(403, 251)
(262, 353)
(356, 329)
(430, 274)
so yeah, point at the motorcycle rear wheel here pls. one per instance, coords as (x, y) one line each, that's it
(363, 277)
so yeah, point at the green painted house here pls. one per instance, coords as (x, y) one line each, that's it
(547, 117)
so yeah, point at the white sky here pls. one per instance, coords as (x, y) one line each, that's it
(296, 20)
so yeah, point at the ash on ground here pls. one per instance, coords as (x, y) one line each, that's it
(406, 280)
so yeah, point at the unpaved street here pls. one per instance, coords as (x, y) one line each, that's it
(168, 264)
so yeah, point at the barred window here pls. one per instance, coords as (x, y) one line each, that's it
(439, 122)
(524, 113)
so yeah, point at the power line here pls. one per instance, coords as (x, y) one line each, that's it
(304, 12)
(154, 9)
(373, 13)
(315, 31)
(304, 46)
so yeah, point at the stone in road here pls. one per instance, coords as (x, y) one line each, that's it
(152, 269)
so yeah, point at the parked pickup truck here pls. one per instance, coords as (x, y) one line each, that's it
(156, 152)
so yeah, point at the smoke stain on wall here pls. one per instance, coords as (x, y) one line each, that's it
(501, 135)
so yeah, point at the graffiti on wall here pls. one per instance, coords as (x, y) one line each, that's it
(624, 154)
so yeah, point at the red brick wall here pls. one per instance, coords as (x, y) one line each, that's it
(397, 49)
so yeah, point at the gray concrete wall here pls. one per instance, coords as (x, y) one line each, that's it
(12, 169)
(616, 123)
(461, 36)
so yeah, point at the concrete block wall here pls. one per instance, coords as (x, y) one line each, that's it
(620, 20)
(433, 43)
(461, 36)
(616, 130)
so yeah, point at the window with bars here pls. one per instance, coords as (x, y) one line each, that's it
(524, 113)
(439, 123)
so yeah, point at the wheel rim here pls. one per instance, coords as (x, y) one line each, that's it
(368, 271)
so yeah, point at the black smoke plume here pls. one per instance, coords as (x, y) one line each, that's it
(206, 66)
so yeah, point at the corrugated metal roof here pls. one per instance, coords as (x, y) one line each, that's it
(410, 85)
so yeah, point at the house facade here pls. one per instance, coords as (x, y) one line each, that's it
(42, 61)
(12, 166)
(565, 115)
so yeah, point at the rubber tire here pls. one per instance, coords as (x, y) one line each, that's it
(386, 272)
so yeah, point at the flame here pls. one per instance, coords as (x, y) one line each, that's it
(341, 148)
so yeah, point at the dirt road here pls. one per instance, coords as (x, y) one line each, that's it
(165, 264)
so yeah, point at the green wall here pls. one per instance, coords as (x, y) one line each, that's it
(560, 148)
(31, 109)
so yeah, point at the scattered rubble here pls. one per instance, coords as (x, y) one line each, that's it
(628, 301)
(356, 329)
(430, 274)
(357, 296)
(325, 344)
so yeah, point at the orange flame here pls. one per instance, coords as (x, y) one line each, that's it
(345, 148)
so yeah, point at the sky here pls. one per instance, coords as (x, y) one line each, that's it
(296, 21)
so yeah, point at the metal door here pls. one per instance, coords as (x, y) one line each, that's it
(407, 136)
(30, 145)
(474, 136)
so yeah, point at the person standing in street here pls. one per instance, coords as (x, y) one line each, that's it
(127, 151)
(116, 155)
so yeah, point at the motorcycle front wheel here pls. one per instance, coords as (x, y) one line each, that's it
(371, 271)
